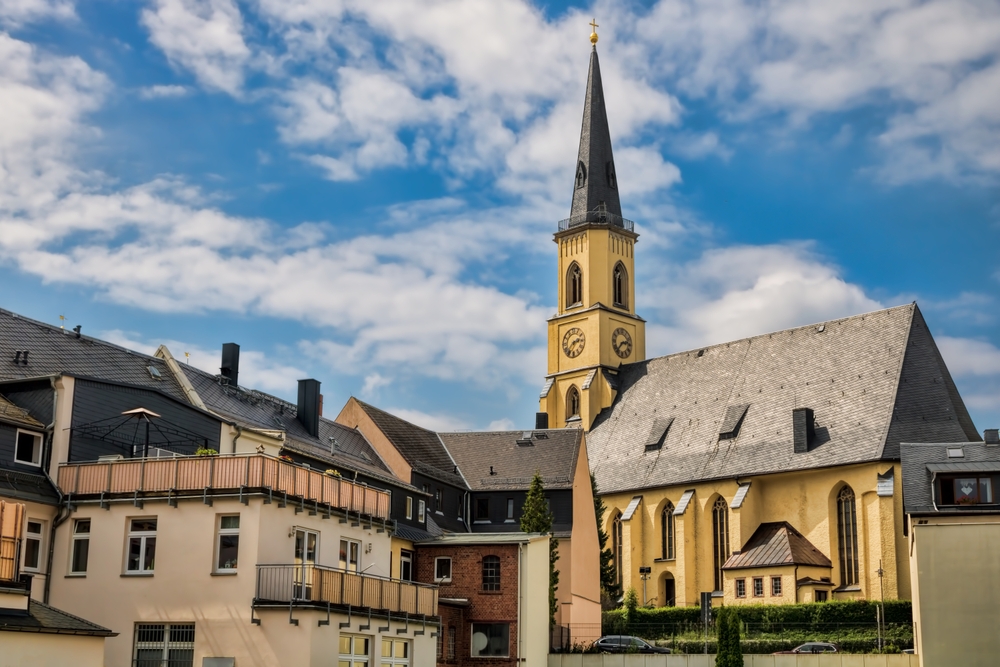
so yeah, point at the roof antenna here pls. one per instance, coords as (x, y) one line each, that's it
(62, 322)
(76, 330)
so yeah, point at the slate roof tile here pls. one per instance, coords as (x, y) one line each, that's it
(553, 455)
(45, 619)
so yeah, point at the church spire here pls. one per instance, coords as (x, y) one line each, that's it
(596, 184)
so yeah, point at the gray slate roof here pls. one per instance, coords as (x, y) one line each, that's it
(552, 452)
(774, 545)
(15, 416)
(870, 379)
(45, 619)
(919, 460)
(595, 150)
(27, 486)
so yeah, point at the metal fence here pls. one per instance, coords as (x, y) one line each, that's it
(224, 471)
(596, 217)
(318, 585)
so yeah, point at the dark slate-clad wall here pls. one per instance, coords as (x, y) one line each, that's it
(560, 502)
(8, 439)
(451, 502)
(35, 397)
(95, 401)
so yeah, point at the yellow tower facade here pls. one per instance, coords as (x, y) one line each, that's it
(595, 328)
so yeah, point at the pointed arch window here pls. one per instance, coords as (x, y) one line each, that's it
(574, 285)
(616, 546)
(581, 175)
(572, 402)
(667, 531)
(847, 536)
(720, 531)
(619, 283)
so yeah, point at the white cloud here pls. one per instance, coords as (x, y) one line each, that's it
(434, 422)
(504, 424)
(203, 36)
(968, 356)
(374, 382)
(15, 13)
(153, 92)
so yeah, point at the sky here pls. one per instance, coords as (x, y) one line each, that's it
(365, 192)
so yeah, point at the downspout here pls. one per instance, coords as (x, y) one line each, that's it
(63, 513)
(239, 432)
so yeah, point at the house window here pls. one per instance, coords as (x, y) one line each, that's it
(33, 545)
(158, 644)
(406, 565)
(741, 588)
(350, 555)
(482, 509)
(616, 546)
(28, 448)
(491, 573)
(353, 651)
(820, 596)
(667, 531)
(720, 531)
(847, 534)
(439, 501)
(758, 587)
(141, 545)
(510, 509)
(572, 402)
(442, 568)
(574, 285)
(451, 643)
(421, 510)
(776, 586)
(490, 640)
(395, 652)
(81, 547)
(409, 507)
(619, 281)
(228, 543)
(966, 490)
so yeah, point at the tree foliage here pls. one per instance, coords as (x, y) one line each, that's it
(536, 517)
(609, 588)
(727, 623)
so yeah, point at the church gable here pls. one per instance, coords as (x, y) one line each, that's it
(928, 407)
(845, 371)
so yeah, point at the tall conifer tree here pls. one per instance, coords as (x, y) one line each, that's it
(608, 585)
(536, 517)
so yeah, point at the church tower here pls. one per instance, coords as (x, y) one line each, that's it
(595, 329)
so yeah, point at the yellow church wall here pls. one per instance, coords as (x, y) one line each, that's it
(805, 499)
(596, 249)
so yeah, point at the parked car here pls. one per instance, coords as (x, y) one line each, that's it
(626, 644)
(812, 647)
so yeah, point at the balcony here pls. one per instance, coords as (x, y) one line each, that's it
(242, 474)
(326, 587)
(597, 217)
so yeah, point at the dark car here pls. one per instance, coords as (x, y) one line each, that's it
(626, 644)
(812, 647)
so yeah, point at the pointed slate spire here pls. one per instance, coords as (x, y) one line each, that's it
(596, 184)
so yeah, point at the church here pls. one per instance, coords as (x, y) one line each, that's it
(763, 470)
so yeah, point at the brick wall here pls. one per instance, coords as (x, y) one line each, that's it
(467, 582)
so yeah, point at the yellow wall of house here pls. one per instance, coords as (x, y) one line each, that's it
(805, 499)
(45, 514)
(790, 592)
(18, 649)
(956, 583)
(353, 416)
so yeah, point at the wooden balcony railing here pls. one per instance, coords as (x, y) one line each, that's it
(11, 523)
(196, 474)
(316, 585)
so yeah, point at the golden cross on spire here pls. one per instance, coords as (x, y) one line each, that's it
(593, 35)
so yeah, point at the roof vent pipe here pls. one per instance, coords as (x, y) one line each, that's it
(309, 406)
(231, 363)
(541, 420)
(803, 429)
(991, 436)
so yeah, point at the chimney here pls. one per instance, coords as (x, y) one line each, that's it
(991, 436)
(802, 429)
(309, 406)
(541, 420)
(231, 363)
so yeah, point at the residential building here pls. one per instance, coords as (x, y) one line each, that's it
(953, 519)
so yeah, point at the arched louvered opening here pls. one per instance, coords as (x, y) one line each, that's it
(574, 285)
(619, 283)
(572, 402)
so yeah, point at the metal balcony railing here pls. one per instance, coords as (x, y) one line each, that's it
(596, 218)
(235, 472)
(316, 585)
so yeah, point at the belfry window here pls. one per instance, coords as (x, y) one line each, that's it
(847, 536)
(616, 546)
(574, 285)
(619, 282)
(667, 531)
(720, 530)
(581, 175)
(572, 402)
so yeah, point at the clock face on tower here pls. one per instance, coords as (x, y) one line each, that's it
(621, 341)
(573, 342)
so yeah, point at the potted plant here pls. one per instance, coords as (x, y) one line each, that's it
(206, 451)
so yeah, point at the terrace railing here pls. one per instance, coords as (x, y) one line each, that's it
(316, 585)
(597, 217)
(236, 472)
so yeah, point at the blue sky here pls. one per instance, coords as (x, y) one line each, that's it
(365, 192)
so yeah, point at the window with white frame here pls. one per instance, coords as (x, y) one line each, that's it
(350, 555)
(228, 543)
(28, 449)
(159, 644)
(421, 509)
(81, 547)
(409, 507)
(33, 536)
(442, 568)
(490, 640)
(510, 510)
(405, 565)
(354, 651)
(141, 555)
(395, 652)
